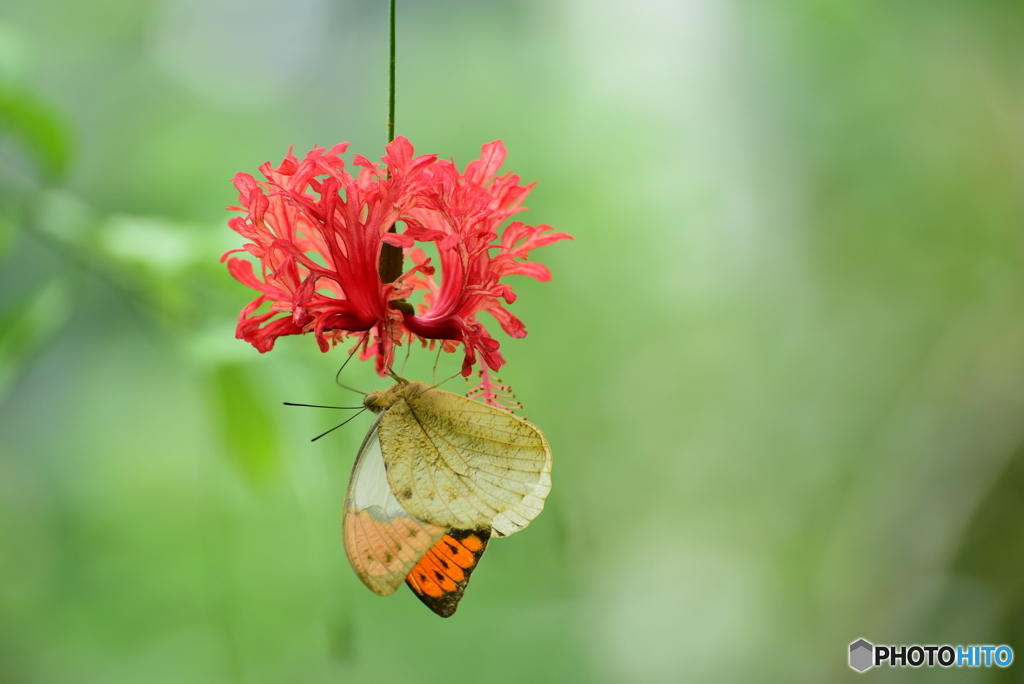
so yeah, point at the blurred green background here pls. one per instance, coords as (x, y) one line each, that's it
(781, 368)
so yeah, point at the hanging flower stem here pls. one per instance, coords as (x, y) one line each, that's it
(391, 76)
(390, 265)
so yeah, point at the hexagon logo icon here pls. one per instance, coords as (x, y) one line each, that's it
(861, 651)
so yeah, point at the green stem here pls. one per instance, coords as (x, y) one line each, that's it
(390, 265)
(391, 78)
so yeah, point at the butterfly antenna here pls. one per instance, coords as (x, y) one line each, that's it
(337, 426)
(288, 403)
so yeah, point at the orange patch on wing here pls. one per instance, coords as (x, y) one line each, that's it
(441, 576)
(473, 543)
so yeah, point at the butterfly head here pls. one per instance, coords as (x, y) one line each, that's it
(382, 400)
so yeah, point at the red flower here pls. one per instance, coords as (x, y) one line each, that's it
(318, 231)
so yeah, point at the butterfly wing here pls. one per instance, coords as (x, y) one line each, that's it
(461, 464)
(382, 540)
(441, 576)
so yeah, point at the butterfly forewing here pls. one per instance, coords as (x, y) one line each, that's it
(382, 540)
(458, 463)
(441, 576)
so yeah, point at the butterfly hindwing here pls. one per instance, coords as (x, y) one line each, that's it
(441, 576)
(383, 542)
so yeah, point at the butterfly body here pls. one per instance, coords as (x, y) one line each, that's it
(437, 475)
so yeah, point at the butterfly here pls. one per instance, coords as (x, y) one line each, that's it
(436, 477)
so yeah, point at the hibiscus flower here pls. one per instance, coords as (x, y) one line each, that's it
(317, 232)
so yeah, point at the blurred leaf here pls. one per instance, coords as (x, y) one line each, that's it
(156, 243)
(39, 130)
(165, 259)
(65, 216)
(26, 325)
(246, 429)
(153, 260)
